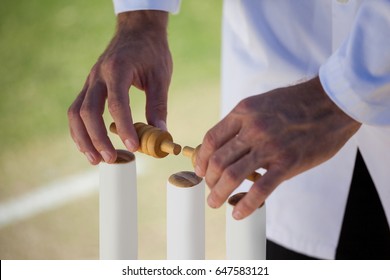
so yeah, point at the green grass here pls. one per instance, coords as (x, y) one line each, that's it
(46, 51)
(47, 48)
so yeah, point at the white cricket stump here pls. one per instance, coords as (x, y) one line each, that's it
(245, 239)
(185, 217)
(118, 229)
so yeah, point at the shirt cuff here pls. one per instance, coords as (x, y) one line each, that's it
(342, 92)
(357, 75)
(172, 6)
(339, 90)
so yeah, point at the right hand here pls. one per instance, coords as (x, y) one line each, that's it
(286, 131)
(138, 55)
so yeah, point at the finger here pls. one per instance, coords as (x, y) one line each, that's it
(213, 140)
(256, 196)
(91, 112)
(78, 131)
(156, 101)
(119, 107)
(231, 178)
(228, 154)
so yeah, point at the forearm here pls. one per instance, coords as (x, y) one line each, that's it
(144, 16)
(148, 21)
(145, 27)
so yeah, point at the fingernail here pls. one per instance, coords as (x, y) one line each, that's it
(90, 157)
(237, 215)
(106, 156)
(130, 145)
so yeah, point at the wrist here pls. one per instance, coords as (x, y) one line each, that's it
(340, 118)
(142, 21)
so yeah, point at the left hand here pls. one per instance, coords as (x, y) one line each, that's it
(138, 56)
(285, 131)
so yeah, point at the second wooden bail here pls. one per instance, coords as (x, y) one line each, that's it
(191, 153)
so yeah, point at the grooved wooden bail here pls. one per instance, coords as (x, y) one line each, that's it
(153, 141)
(191, 153)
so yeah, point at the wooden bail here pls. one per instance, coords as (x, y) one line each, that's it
(191, 153)
(153, 141)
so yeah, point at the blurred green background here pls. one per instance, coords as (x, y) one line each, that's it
(46, 51)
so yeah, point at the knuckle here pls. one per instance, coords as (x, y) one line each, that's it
(162, 74)
(73, 113)
(232, 174)
(112, 64)
(245, 105)
(94, 73)
(246, 207)
(210, 140)
(260, 192)
(86, 111)
(259, 125)
(159, 107)
(216, 163)
(115, 106)
(241, 140)
(210, 182)
(157, 110)
(217, 195)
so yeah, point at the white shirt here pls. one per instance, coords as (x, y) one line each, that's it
(274, 43)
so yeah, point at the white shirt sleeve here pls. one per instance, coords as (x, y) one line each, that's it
(171, 6)
(357, 75)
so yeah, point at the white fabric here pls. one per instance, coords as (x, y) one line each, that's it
(269, 44)
(171, 6)
(357, 76)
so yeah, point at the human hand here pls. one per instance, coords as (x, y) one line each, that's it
(285, 131)
(139, 56)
